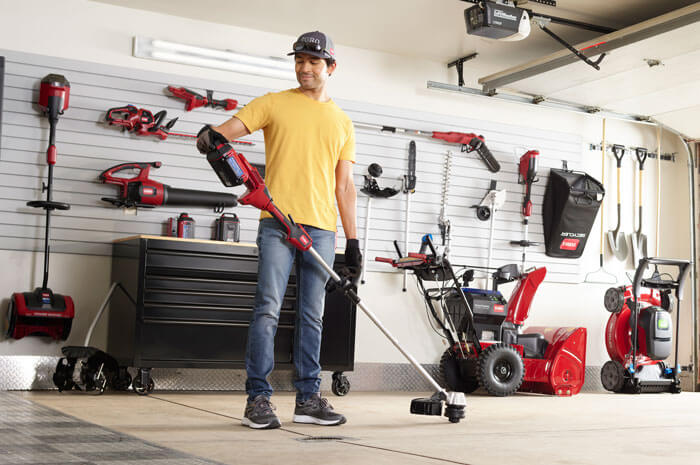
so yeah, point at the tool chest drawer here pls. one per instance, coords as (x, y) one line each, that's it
(194, 301)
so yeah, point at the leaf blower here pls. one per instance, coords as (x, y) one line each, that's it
(41, 311)
(140, 191)
(233, 170)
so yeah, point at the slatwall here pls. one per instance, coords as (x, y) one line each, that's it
(86, 147)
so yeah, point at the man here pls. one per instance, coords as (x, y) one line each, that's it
(309, 152)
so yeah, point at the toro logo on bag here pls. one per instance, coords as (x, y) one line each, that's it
(569, 244)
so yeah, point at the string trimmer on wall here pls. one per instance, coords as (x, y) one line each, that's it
(527, 175)
(233, 170)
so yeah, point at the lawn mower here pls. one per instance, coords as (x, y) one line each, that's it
(639, 332)
(233, 170)
(487, 346)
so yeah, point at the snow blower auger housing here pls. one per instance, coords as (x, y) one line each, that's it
(233, 170)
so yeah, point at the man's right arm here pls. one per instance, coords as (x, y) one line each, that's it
(232, 129)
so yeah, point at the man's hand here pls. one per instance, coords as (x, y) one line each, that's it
(353, 256)
(208, 140)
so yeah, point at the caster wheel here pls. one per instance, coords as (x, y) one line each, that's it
(138, 386)
(340, 385)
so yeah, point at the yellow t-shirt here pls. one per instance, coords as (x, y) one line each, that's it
(304, 139)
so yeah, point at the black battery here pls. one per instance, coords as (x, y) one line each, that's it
(227, 228)
(489, 307)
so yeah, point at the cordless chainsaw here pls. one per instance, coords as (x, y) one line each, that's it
(140, 191)
(143, 122)
(195, 100)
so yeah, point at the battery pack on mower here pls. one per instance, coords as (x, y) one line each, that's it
(40, 313)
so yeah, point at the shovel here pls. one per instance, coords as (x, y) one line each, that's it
(639, 240)
(616, 239)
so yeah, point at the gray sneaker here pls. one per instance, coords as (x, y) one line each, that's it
(318, 411)
(260, 414)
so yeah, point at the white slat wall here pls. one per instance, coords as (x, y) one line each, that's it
(86, 147)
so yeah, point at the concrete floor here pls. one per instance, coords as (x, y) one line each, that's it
(523, 429)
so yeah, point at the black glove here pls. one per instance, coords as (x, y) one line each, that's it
(208, 140)
(353, 256)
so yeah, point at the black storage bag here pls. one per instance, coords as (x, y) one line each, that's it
(571, 203)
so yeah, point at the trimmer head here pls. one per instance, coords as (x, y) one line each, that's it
(455, 402)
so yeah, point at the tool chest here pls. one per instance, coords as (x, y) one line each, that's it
(194, 300)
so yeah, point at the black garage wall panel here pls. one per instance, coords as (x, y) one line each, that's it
(86, 147)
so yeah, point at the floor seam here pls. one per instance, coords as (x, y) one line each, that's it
(369, 446)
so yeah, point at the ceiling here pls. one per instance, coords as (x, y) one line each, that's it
(434, 30)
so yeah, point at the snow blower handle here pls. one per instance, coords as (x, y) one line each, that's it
(233, 170)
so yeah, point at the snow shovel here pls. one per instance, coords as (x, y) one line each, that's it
(616, 238)
(639, 240)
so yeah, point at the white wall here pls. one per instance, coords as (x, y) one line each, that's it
(79, 29)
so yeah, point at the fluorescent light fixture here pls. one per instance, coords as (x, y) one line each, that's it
(174, 52)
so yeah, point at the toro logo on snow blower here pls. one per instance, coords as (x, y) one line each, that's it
(569, 244)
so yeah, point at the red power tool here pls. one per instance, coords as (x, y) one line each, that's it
(527, 174)
(195, 100)
(233, 170)
(41, 311)
(140, 191)
(470, 143)
(143, 122)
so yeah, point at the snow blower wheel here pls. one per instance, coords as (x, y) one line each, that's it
(501, 370)
(457, 373)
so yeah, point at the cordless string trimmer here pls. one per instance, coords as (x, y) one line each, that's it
(233, 170)
(527, 174)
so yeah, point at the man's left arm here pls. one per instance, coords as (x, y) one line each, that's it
(346, 195)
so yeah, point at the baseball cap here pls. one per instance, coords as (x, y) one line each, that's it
(315, 44)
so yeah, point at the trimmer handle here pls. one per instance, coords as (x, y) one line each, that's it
(233, 170)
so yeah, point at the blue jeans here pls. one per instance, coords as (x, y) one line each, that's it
(275, 259)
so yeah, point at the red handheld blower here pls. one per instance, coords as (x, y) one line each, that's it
(233, 170)
(42, 312)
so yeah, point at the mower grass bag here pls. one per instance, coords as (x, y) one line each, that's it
(571, 203)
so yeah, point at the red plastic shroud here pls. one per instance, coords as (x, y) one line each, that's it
(151, 192)
(618, 340)
(524, 292)
(52, 321)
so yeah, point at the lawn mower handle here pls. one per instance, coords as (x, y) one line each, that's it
(676, 284)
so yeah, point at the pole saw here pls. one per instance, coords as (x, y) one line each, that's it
(233, 170)
(469, 142)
